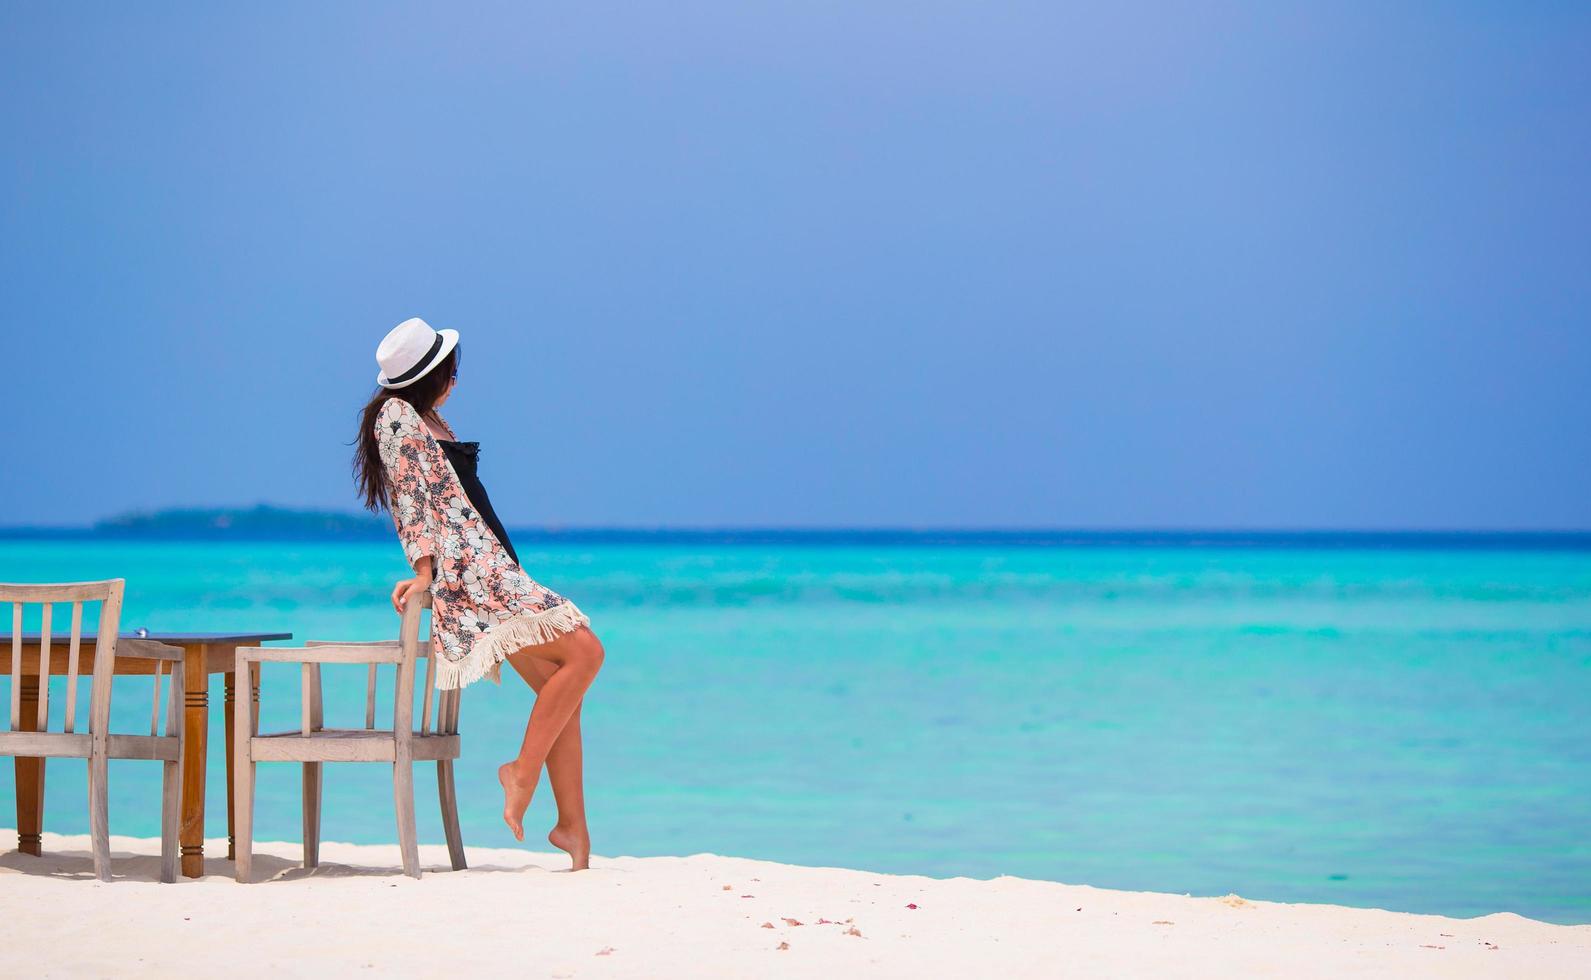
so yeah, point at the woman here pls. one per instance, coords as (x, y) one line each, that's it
(485, 609)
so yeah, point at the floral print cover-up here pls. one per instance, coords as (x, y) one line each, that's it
(483, 605)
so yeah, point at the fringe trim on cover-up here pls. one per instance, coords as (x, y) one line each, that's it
(492, 647)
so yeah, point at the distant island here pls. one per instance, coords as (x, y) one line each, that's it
(265, 522)
(262, 521)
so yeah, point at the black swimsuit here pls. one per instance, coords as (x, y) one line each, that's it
(464, 456)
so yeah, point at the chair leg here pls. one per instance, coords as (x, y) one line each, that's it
(312, 787)
(98, 816)
(170, 817)
(243, 783)
(312, 773)
(243, 818)
(450, 813)
(403, 798)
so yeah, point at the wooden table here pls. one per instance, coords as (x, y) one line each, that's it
(207, 654)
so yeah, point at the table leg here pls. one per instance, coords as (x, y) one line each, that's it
(30, 777)
(228, 709)
(195, 728)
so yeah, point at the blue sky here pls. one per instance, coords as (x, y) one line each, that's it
(979, 264)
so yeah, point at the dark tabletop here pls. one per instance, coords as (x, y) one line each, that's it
(163, 637)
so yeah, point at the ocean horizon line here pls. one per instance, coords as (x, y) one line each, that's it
(271, 523)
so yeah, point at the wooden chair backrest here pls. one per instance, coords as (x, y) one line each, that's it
(109, 595)
(413, 648)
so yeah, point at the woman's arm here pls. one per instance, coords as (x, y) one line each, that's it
(411, 587)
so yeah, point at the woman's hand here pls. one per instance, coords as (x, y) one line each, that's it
(411, 587)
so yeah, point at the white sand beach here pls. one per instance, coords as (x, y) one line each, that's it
(520, 912)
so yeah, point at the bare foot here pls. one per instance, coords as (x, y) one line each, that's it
(516, 799)
(577, 843)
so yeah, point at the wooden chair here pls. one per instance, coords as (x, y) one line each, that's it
(313, 744)
(31, 737)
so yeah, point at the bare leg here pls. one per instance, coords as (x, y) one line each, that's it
(578, 655)
(565, 771)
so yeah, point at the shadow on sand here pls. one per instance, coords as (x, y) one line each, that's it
(129, 866)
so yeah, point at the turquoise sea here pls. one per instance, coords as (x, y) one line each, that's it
(1405, 728)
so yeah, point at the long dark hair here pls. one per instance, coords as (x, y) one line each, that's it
(369, 475)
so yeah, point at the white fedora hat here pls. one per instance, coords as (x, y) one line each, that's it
(409, 350)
